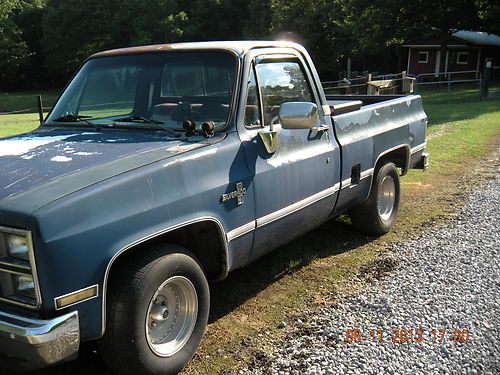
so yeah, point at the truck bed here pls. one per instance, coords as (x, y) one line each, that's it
(366, 127)
(341, 104)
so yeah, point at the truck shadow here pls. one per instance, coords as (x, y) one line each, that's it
(332, 238)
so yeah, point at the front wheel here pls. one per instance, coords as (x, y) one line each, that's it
(157, 313)
(378, 213)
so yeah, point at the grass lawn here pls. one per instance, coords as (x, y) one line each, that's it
(17, 123)
(18, 101)
(304, 274)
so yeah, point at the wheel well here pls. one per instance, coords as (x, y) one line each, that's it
(399, 157)
(204, 239)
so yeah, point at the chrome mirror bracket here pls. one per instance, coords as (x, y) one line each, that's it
(270, 140)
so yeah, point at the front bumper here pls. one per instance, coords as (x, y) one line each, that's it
(27, 343)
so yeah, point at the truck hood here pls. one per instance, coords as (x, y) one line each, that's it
(32, 160)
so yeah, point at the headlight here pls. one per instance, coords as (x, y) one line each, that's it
(18, 277)
(17, 246)
(24, 286)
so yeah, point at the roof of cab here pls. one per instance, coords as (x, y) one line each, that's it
(239, 47)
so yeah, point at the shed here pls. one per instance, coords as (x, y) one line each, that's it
(461, 51)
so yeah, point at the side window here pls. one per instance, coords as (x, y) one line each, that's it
(281, 82)
(252, 109)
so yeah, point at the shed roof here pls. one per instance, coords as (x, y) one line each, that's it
(461, 38)
(478, 37)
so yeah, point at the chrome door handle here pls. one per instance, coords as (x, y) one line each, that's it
(321, 128)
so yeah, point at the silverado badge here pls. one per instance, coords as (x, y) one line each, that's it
(239, 193)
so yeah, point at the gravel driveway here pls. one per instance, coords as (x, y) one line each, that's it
(438, 312)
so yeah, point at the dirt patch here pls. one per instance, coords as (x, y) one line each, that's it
(377, 268)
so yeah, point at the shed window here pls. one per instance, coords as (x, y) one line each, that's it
(423, 57)
(463, 58)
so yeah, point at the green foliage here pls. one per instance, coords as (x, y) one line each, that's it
(19, 36)
(13, 50)
(75, 29)
(42, 42)
(6, 8)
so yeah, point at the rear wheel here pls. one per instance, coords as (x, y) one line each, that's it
(157, 313)
(378, 213)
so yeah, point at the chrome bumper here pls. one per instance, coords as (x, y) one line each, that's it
(27, 343)
(423, 163)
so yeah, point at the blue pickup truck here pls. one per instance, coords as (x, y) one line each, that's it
(163, 167)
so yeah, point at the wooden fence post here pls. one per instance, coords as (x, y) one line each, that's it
(40, 108)
(404, 82)
(485, 78)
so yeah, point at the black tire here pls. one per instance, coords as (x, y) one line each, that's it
(366, 216)
(124, 346)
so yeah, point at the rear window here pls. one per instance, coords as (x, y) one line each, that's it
(198, 78)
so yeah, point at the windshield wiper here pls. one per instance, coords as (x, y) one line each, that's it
(152, 124)
(149, 126)
(71, 117)
(138, 119)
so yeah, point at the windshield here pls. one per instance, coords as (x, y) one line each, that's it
(149, 90)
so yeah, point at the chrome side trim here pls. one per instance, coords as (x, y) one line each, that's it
(38, 343)
(418, 148)
(74, 292)
(222, 235)
(367, 173)
(345, 183)
(273, 216)
(240, 231)
(34, 272)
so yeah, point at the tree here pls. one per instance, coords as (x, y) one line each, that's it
(489, 15)
(139, 22)
(43, 41)
(6, 7)
(29, 21)
(13, 50)
(75, 29)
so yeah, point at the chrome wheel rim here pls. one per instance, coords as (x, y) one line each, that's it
(386, 197)
(171, 316)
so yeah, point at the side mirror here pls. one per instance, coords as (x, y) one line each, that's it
(298, 115)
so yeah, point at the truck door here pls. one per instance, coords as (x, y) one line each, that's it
(295, 186)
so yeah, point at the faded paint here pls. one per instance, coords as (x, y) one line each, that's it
(64, 153)
(298, 152)
(22, 145)
(61, 159)
(82, 153)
